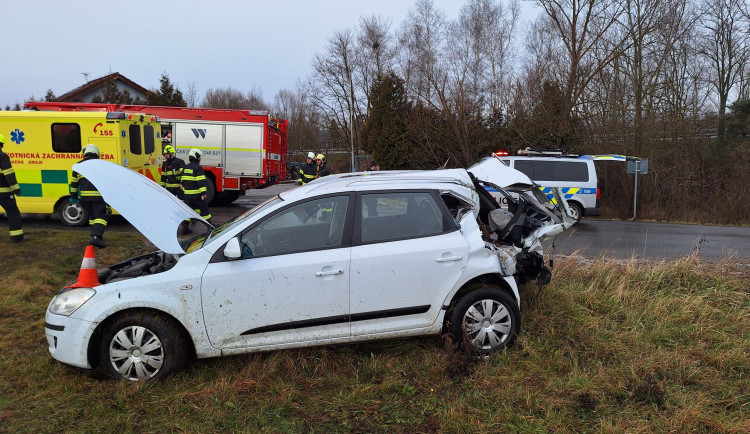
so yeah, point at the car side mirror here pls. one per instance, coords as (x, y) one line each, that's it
(232, 249)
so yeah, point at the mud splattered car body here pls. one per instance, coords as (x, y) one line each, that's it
(347, 258)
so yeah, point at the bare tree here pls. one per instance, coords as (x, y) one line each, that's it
(191, 95)
(331, 88)
(254, 99)
(230, 98)
(582, 28)
(227, 97)
(376, 52)
(724, 41)
(303, 121)
(422, 63)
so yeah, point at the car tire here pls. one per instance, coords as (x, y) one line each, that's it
(72, 214)
(489, 317)
(576, 211)
(210, 191)
(142, 346)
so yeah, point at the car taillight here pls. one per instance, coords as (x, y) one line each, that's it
(598, 193)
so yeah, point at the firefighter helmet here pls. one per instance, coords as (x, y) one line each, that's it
(168, 149)
(2, 140)
(195, 154)
(91, 149)
(311, 155)
(320, 157)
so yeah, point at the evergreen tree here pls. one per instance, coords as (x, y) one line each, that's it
(385, 131)
(50, 96)
(167, 94)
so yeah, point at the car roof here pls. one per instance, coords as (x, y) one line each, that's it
(453, 179)
(540, 158)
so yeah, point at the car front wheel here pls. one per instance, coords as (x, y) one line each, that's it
(487, 318)
(142, 347)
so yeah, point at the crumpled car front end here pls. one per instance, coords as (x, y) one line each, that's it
(516, 218)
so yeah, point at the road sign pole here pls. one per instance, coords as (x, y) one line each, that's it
(635, 193)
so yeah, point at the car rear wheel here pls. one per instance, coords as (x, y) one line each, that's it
(72, 214)
(142, 347)
(487, 318)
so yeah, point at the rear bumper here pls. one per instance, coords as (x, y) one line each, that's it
(592, 212)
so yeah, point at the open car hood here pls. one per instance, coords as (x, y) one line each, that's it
(494, 171)
(151, 209)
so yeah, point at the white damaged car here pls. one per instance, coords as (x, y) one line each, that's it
(347, 258)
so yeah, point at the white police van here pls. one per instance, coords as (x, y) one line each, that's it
(574, 174)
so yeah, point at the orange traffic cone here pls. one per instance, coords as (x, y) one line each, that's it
(88, 277)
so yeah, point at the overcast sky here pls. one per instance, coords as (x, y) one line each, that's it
(222, 43)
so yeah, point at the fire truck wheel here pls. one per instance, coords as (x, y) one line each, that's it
(231, 196)
(72, 214)
(210, 190)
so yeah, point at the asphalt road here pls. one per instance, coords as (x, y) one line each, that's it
(589, 237)
(592, 237)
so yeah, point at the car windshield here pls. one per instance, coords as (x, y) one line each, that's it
(202, 240)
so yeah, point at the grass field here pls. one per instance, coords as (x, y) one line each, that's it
(607, 347)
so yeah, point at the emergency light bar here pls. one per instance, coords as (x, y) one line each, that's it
(131, 117)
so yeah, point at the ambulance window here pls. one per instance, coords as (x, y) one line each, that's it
(66, 138)
(135, 139)
(148, 139)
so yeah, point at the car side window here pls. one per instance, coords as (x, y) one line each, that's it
(312, 225)
(399, 215)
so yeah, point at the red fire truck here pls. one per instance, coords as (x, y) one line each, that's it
(242, 149)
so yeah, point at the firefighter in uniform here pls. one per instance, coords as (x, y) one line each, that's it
(82, 191)
(307, 170)
(9, 189)
(171, 171)
(322, 168)
(193, 184)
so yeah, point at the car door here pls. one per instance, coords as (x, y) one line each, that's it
(407, 255)
(291, 284)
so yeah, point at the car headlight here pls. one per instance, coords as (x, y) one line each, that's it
(67, 302)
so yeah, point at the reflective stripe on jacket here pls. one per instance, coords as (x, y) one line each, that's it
(171, 172)
(193, 180)
(8, 184)
(83, 188)
(307, 172)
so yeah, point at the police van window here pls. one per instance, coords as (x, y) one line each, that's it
(526, 167)
(148, 139)
(544, 171)
(135, 139)
(571, 171)
(66, 138)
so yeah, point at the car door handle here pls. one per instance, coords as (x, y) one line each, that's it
(329, 273)
(449, 258)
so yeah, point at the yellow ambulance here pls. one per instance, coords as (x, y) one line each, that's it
(43, 146)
